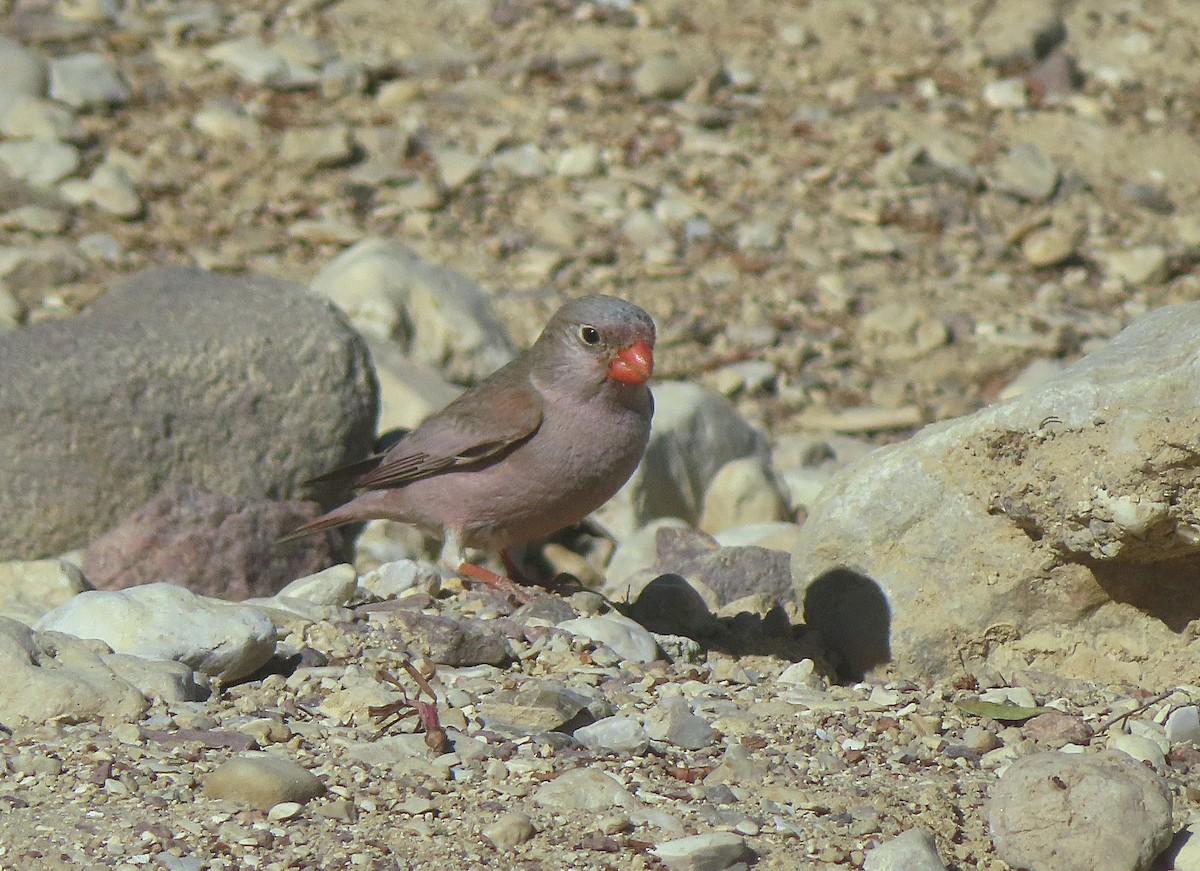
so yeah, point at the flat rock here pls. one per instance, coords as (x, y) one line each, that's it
(262, 781)
(925, 550)
(623, 636)
(87, 81)
(245, 385)
(584, 789)
(453, 642)
(713, 851)
(162, 621)
(913, 850)
(622, 735)
(216, 545)
(1080, 812)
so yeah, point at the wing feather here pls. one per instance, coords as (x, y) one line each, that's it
(475, 427)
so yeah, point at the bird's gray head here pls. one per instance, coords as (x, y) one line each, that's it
(615, 336)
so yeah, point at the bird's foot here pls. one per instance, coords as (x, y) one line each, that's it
(499, 583)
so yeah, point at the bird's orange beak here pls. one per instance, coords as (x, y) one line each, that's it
(633, 365)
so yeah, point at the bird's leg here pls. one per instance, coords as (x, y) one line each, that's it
(453, 558)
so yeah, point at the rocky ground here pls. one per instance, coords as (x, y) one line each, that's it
(851, 218)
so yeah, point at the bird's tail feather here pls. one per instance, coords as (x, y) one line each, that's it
(326, 521)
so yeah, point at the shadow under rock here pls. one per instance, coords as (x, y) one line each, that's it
(851, 613)
(1168, 591)
(669, 605)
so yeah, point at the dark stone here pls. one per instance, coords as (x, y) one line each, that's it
(247, 385)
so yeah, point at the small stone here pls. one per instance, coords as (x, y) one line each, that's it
(525, 161)
(663, 77)
(22, 70)
(391, 579)
(1135, 267)
(109, 188)
(509, 830)
(801, 674)
(456, 166)
(228, 123)
(715, 851)
(332, 586)
(36, 118)
(101, 247)
(313, 148)
(537, 706)
(167, 682)
(874, 241)
(87, 81)
(1048, 246)
(442, 318)
(758, 236)
(673, 721)
(47, 677)
(127, 733)
(39, 161)
(421, 195)
(623, 636)
(447, 641)
(579, 161)
(1026, 173)
(285, 810)
(1006, 94)
(262, 781)
(913, 850)
(1183, 725)
(36, 219)
(259, 64)
(621, 735)
(1139, 747)
(1057, 730)
(1014, 33)
(585, 789)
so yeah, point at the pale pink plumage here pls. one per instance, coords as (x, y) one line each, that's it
(536, 446)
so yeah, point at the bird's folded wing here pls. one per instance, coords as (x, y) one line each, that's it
(470, 429)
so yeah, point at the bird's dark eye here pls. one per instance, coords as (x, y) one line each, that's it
(589, 334)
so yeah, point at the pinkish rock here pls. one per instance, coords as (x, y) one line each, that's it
(213, 544)
(1057, 730)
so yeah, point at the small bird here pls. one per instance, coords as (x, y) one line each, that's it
(537, 445)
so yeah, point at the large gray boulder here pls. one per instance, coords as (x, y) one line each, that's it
(246, 385)
(1060, 528)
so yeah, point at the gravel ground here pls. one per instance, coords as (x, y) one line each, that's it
(900, 207)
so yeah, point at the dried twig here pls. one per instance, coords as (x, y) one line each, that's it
(425, 712)
(1150, 702)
